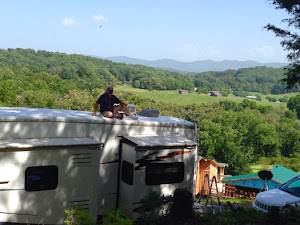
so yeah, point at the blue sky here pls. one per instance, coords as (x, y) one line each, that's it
(184, 30)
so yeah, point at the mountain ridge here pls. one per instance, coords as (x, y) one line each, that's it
(195, 66)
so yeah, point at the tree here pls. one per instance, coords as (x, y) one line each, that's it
(294, 104)
(291, 40)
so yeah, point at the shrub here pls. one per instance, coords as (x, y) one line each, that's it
(182, 206)
(116, 218)
(76, 216)
(271, 99)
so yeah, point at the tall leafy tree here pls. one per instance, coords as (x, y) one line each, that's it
(294, 104)
(291, 39)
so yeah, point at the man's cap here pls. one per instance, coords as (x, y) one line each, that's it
(110, 88)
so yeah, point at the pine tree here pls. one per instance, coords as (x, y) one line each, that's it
(291, 39)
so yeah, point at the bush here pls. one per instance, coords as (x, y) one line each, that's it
(225, 93)
(116, 218)
(290, 114)
(284, 99)
(240, 93)
(258, 97)
(76, 216)
(271, 99)
(290, 163)
(182, 206)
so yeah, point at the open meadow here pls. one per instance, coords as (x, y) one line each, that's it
(193, 97)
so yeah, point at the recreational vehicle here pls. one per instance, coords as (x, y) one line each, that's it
(54, 159)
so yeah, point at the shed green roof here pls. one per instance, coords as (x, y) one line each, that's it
(280, 174)
(283, 174)
(241, 177)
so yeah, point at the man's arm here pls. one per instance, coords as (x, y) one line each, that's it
(95, 109)
(124, 108)
(123, 103)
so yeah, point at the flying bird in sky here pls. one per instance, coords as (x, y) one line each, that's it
(100, 26)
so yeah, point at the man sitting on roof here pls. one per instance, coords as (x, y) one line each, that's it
(109, 104)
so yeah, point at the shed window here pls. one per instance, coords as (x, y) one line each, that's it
(164, 173)
(127, 172)
(40, 178)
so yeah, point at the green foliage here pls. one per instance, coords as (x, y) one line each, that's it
(231, 215)
(116, 218)
(229, 105)
(77, 100)
(290, 114)
(76, 216)
(231, 132)
(271, 99)
(202, 90)
(151, 196)
(227, 217)
(290, 163)
(89, 73)
(291, 40)
(294, 104)
(240, 93)
(284, 99)
(182, 205)
(225, 93)
(37, 99)
(258, 97)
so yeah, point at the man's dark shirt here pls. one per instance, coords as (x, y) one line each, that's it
(107, 104)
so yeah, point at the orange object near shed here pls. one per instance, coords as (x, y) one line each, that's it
(212, 168)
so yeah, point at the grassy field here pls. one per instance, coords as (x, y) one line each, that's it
(192, 98)
(257, 168)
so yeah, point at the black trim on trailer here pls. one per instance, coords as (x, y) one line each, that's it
(125, 141)
(119, 175)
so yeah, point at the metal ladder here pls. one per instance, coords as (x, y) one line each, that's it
(213, 193)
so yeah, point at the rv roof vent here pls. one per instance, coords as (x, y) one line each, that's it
(149, 113)
(83, 159)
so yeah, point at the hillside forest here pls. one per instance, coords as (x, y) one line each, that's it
(235, 133)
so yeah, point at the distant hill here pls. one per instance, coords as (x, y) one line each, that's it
(197, 66)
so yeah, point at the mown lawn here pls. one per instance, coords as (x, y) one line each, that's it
(192, 98)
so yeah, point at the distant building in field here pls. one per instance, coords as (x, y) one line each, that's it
(251, 97)
(215, 93)
(183, 92)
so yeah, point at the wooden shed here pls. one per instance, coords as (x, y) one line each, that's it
(183, 92)
(212, 168)
(215, 93)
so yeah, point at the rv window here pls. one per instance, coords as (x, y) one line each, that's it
(127, 172)
(41, 178)
(164, 173)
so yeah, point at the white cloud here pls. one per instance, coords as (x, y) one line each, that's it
(187, 52)
(213, 53)
(68, 21)
(99, 17)
(262, 51)
(266, 53)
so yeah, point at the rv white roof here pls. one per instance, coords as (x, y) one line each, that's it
(155, 141)
(31, 143)
(39, 114)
